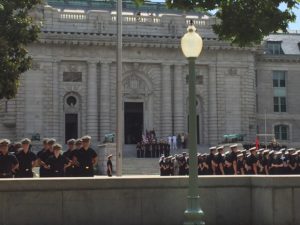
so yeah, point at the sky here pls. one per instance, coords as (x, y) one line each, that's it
(292, 26)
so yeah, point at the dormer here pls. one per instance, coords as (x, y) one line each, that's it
(274, 48)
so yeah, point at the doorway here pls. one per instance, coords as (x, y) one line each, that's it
(134, 122)
(71, 126)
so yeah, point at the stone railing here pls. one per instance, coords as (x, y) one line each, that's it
(150, 200)
(137, 19)
(78, 17)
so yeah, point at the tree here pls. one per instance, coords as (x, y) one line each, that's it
(243, 22)
(17, 30)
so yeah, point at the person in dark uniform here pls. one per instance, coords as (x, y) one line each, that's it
(293, 163)
(43, 155)
(200, 166)
(86, 158)
(147, 150)
(219, 161)
(161, 165)
(251, 162)
(233, 160)
(72, 170)
(277, 163)
(298, 161)
(109, 166)
(205, 167)
(57, 163)
(26, 159)
(8, 162)
(265, 162)
(240, 164)
(270, 162)
(78, 144)
(210, 160)
(171, 165)
(182, 164)
(42, 170)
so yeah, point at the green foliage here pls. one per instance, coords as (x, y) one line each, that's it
(243, 22)
(16, 31)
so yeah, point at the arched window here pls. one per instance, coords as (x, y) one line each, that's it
(281, 132)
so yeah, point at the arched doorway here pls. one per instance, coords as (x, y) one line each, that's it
(71, 111)
(137, 102)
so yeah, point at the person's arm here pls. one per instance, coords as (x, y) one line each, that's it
(95, 160)
(242, 171)
(221, 168)
(254, 167)
(235, 167)
(266, 170)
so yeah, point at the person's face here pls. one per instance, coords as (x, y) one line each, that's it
(25, 147)
(56, 151)
(85, 143)
(50, 147)
(4, 148)
(71, 146)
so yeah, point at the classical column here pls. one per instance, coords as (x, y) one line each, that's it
(166, 100)
(92, 102)
(178, 100)
(104, 100)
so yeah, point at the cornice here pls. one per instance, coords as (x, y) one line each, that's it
(129, 40)
(278, 58)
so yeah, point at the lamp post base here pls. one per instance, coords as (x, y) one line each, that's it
(193, 214)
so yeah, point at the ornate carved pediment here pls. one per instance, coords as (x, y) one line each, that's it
(135, 87)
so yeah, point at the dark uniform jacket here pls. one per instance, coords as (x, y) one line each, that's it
(25, 163)
(43, 155)
(73, 170)
(85, 160)
(57, 165)
(7, 162)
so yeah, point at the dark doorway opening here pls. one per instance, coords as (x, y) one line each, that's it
(71, 126)
(134, 121)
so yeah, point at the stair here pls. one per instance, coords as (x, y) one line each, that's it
(146, 166)
(140, 166)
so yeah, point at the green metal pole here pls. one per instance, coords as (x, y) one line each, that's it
(193, 214)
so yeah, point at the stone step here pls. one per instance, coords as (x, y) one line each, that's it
(140, 166)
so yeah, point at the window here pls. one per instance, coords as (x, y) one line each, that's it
(72, 76)
(278, 78)
(274, 48)
(281, 132)
(279, 104)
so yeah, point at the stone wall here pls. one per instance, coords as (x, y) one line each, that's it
(243, 200)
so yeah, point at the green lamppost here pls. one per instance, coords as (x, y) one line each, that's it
(191, 45)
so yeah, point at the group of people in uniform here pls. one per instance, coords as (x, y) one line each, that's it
(235, 162)
(77, 161)
(152, 149)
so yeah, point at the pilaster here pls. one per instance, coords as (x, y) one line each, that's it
(104, 100)
(92, 102)
(166, 96)
(178, 99)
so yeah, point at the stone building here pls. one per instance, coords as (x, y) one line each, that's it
(71, 89)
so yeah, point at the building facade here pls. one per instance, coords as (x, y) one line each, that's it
(71, 89)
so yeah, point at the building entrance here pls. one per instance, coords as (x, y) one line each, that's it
(71, 126)
(134, 122)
